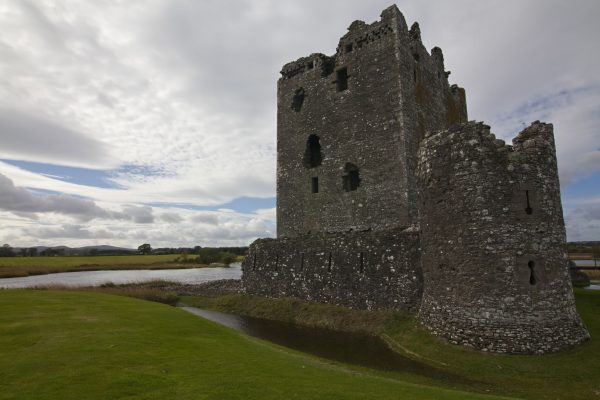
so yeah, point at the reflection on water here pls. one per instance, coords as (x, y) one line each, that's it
(96, 278)
(585, 263)
(351, 348)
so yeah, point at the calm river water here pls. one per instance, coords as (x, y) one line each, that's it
(96, 278)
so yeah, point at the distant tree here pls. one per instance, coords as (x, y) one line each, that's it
(145, 248)
(32, 251)
(6, 251)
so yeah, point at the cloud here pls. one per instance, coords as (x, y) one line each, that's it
(29, 137)
(22, 202)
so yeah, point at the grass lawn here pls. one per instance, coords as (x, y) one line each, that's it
(81, 345)
(572, 374)
(23, 266)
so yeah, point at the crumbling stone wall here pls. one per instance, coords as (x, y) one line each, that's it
(493, 238)
(366, 270)
(372, 143)
(364, 108)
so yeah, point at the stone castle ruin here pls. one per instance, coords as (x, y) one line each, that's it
(388, 197)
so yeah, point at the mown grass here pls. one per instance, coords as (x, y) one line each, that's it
(24, 266)
(77, 345)
(571, 374)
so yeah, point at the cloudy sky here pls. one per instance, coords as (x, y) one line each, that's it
(123, 122)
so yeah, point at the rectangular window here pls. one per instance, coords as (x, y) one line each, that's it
(342, 79)
(315, 184)
(349, 47)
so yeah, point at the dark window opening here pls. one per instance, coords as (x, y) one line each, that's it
(314, 184)
(362, 266)
(302, 262)
(298, 100)
(532, 277)
(351, 181)
(416, 56)
(310, 65)
(312, 155)
(328, 65)
(349, 48)
(329, 263)
(342, 79)
(528, 209)
(415, 74)
(277, 262)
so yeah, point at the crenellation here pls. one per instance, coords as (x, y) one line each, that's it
(387, 197)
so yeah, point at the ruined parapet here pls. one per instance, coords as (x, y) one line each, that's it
(493, 238)
(364, 270)
(349, 125)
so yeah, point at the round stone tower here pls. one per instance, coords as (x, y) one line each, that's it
(493, 238)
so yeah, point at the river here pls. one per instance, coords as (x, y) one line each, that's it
(96, 278)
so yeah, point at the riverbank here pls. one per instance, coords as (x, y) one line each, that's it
(11, 267)
(72, 345)
(571, 374)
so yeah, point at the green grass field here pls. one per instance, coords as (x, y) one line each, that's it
(81, 345)
(23, 266)
(573, 374)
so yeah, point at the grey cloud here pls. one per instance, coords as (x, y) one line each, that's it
(583, 223)
(139, 214)
(21, 201)
(171, 218)
(68, 231)
(206, 218)
(28, 137)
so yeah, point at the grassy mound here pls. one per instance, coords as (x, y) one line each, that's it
(85, 345)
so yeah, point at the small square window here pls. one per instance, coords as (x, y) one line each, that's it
(349, 48)
(310, 65)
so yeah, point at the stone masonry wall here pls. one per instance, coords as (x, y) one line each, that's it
(365, 270)
(365, 108)
(492, 232)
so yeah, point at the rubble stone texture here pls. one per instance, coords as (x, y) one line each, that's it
(388, 198)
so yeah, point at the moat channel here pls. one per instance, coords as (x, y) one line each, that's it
(349, 348)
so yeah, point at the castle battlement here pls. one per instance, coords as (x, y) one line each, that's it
(387, 197)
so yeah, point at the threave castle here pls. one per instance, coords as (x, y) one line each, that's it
(388, 197)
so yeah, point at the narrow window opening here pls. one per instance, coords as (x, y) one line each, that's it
(342, 79)
(362, 266)
(310, 65)
(302, 262)
(298, 100)
(351, 181)
(532, 277)
(312, 155)
(329, 263)
(415, 74)
(315, 184)
(528, 209)
(349, 48)
(277, 262)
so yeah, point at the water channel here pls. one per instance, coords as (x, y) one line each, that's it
(350, 348)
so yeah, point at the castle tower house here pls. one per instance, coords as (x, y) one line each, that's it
(493, 238)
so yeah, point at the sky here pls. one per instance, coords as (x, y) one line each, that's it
(126, 122)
